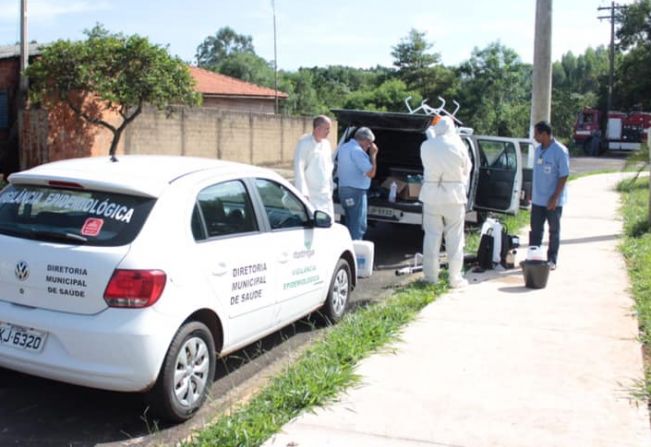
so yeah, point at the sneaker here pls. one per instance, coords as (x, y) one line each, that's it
(552, 265)
(459, 284)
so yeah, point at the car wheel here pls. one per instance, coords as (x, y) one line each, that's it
(339, 292)
(186, 374)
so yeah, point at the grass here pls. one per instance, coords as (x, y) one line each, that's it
(322, 371)
(636, 247)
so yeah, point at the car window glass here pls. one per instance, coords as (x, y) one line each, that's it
(499, 154)
(198, 228)
(75, 216)
(283, 208)
(225, 209)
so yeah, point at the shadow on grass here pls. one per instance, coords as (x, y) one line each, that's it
(639, 228)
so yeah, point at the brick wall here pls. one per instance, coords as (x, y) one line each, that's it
(9, 78)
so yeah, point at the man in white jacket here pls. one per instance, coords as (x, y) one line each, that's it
(313, 166)
(447, 169)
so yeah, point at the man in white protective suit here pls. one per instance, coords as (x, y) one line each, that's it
(446, 176)
(313, 166)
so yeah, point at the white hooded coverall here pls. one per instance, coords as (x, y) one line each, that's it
(444, 195)
(313, 172)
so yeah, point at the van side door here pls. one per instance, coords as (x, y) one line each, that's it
(473, 153)
(500, 174)
(527, 148)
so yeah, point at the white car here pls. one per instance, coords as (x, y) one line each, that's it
(133, 275)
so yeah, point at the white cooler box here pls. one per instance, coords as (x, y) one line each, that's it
(364, 251)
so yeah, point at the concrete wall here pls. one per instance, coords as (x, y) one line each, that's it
(260, 139)
(240, 104)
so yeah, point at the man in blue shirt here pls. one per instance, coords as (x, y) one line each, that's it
(550, 172)
(356, 166)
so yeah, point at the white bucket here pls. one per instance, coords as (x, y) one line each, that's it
(535, 253)
(364, 254)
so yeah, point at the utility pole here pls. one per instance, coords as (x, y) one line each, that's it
(23, 82)
(611, 74)
(24, 54)
(273, 7)
(541, 96)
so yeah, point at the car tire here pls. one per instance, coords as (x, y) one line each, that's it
(336, 302)
(186, 375)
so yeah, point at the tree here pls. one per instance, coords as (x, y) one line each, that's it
(494, 91)
(247, 67)
(387, 97)
(302, 97)
(577, 82)
(226, 42)
(633, 87)
(121, 72)
(414, 62)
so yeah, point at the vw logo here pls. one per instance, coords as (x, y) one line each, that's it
(22, 271)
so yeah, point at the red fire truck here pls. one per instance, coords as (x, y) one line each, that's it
(623, 131)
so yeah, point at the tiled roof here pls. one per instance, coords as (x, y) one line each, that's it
(211, 83)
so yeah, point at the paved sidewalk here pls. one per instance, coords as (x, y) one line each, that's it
(497, 364)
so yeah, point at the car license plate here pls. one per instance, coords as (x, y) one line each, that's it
(378, 211)
(22, 338)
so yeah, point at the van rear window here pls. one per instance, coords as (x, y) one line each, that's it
(72, 216)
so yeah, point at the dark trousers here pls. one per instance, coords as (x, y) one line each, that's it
(540, 214)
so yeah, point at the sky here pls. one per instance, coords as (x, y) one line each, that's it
(357, 33)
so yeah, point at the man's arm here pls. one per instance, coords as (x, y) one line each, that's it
(553, 200)
(299, 170)
(564, 172)
(372, 153)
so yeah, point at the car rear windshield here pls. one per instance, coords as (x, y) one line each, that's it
(72, 216)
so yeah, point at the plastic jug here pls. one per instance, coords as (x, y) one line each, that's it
(393, 192)
(364, 251)
(535, 253)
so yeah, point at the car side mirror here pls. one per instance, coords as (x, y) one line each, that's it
(322, 219)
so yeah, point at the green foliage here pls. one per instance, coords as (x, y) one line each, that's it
(577, 82)
(494, 91)
(633, 87)
(635, 24)
(636, 247)
(248, 67)
(226, 42)
(414, 61)
(387, 97)
(303, 99)
(123, 72)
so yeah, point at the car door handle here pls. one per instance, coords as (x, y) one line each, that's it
(221, 269)
(283, 258)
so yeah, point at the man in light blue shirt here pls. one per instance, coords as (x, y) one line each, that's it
(356, 166)
(550, 172)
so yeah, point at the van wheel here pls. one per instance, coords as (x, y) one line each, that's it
(186, 374)
(336, 303)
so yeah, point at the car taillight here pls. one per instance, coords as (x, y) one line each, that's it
(135, 288)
